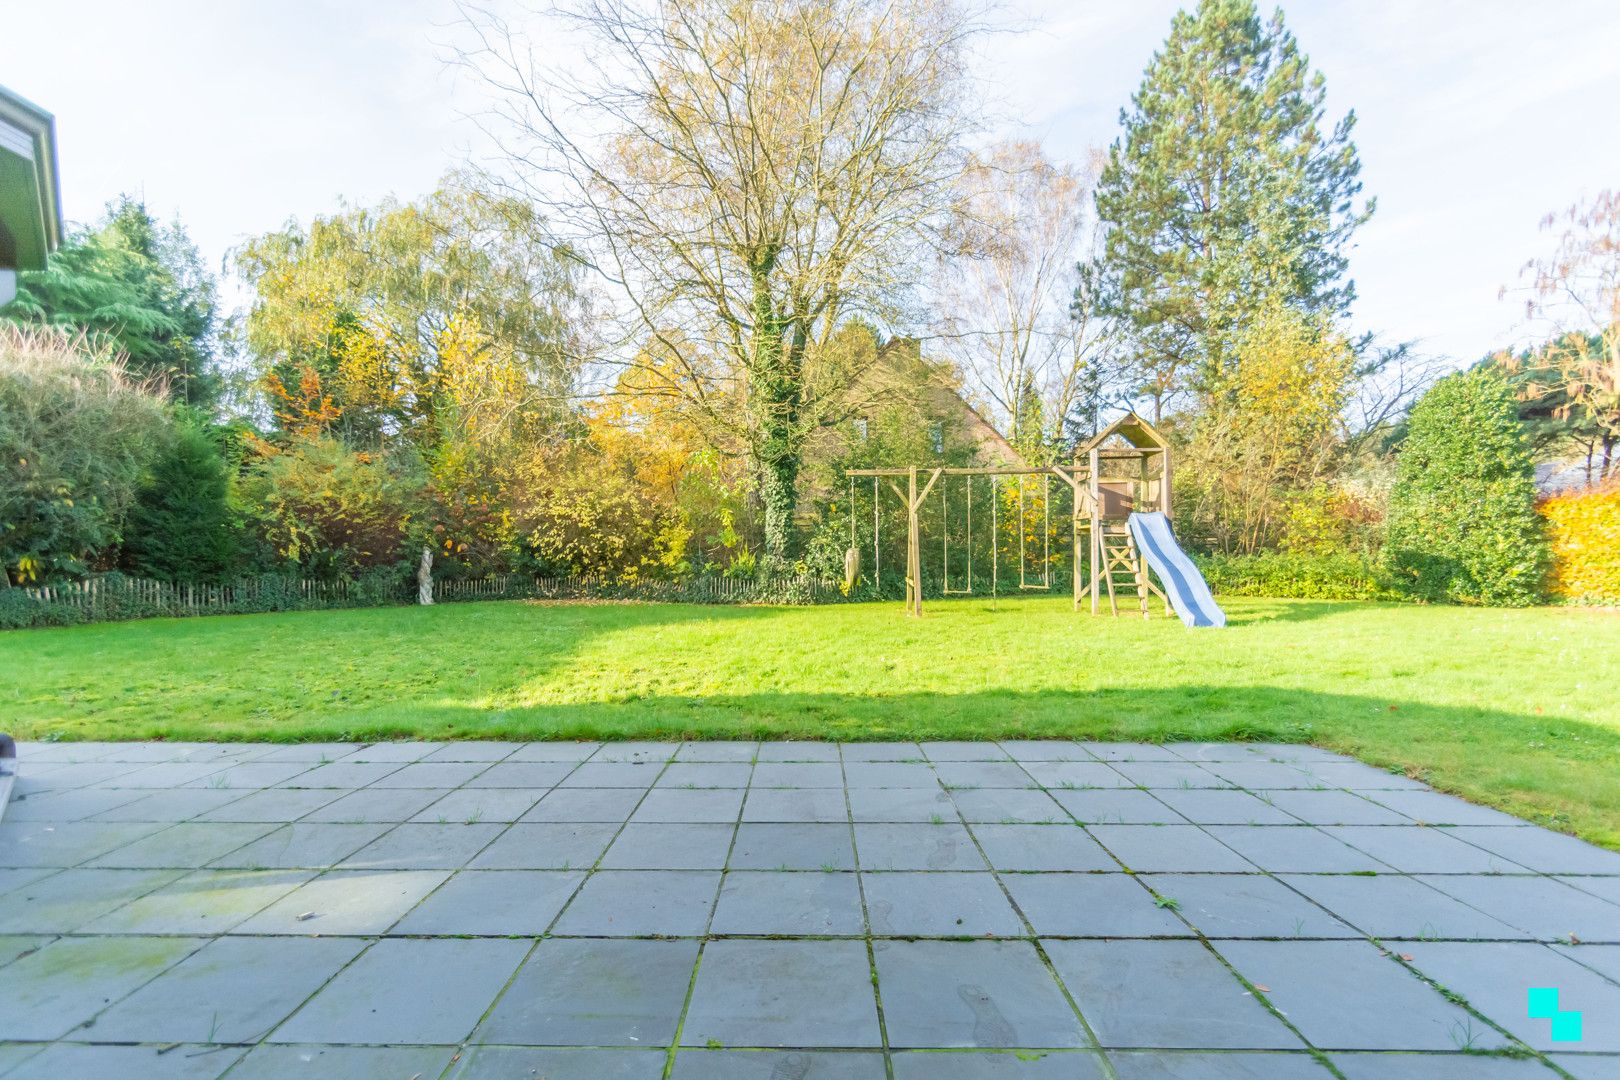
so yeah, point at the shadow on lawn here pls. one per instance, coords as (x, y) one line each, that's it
(1160, 713)
(1255, 611)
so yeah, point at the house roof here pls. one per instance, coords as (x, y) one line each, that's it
(30, 201)
(991, 445)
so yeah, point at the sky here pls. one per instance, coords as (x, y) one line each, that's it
(1475, 118)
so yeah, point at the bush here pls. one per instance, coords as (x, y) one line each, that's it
(19, 611)
(1329, 521)
(586, 517)
(332, 510)
(76, 436)
(1585, 531)
(182, 528)
(1462, 517)
(1267, 430)
(1292, 574)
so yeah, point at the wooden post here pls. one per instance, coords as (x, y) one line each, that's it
(1141, 573)
(914, 500)
(1093, 464)
(1164, 481)
(913, 552)
(1074, 533)
(1074, 544)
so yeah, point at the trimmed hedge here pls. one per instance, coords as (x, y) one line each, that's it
(1293, 575)
(1585, 533)
(1462, 517)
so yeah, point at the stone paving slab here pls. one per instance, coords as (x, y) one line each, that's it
(1164, 994)
(1234, 1065)
(783, 994)
(1033, 909)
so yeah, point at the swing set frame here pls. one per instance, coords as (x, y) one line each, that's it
(1109, 483)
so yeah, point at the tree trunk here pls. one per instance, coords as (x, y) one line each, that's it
(776, 392)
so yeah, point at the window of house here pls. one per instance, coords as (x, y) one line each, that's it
(860, 428)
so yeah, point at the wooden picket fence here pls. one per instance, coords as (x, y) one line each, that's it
(98, 593)
(707, 589)
(116, 597)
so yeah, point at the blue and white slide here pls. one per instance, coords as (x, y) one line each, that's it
(1188, 591)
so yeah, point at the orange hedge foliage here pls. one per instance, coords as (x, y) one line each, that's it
(1585, 531)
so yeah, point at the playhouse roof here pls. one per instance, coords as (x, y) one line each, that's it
(1130, 427)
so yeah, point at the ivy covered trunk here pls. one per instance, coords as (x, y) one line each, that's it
(776, 392)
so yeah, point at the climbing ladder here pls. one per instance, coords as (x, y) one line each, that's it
(1123, 570)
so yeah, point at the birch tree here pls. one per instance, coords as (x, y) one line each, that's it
(1013, 308)
(745, 176)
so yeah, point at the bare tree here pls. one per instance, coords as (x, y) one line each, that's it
(1574, 295)
(746, 176)
(1012, 307)
(1385, 383)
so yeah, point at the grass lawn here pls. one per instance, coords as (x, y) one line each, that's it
(1518, 709)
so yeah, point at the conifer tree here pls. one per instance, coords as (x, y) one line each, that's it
(180, 528)
(1224, 189)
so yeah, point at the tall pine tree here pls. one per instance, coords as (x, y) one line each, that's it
(1223, 189)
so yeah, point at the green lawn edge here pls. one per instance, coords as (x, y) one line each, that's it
(1518, 709)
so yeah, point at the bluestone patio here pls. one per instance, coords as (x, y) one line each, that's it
(786, 911)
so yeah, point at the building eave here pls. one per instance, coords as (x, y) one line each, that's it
(28, 140)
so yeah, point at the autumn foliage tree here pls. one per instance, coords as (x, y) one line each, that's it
(333, 511)
(1269, 431)
(371, 322)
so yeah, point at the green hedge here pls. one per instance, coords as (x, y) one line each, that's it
(1462, 517)
(1305, 577)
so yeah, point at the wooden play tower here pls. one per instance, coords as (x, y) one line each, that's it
(1125, 469)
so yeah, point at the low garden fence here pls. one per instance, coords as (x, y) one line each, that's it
(115, 597)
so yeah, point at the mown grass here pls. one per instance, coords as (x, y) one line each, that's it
(1517, 709)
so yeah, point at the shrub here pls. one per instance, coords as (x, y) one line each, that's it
(182, 528)
(76, 436)
(468, 503)
(586, 517)
(332, 510)
(1337, 576)
(1329, 521)
(1462, 517)
(1585, 530)
(1267, 430)
(19, 611)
